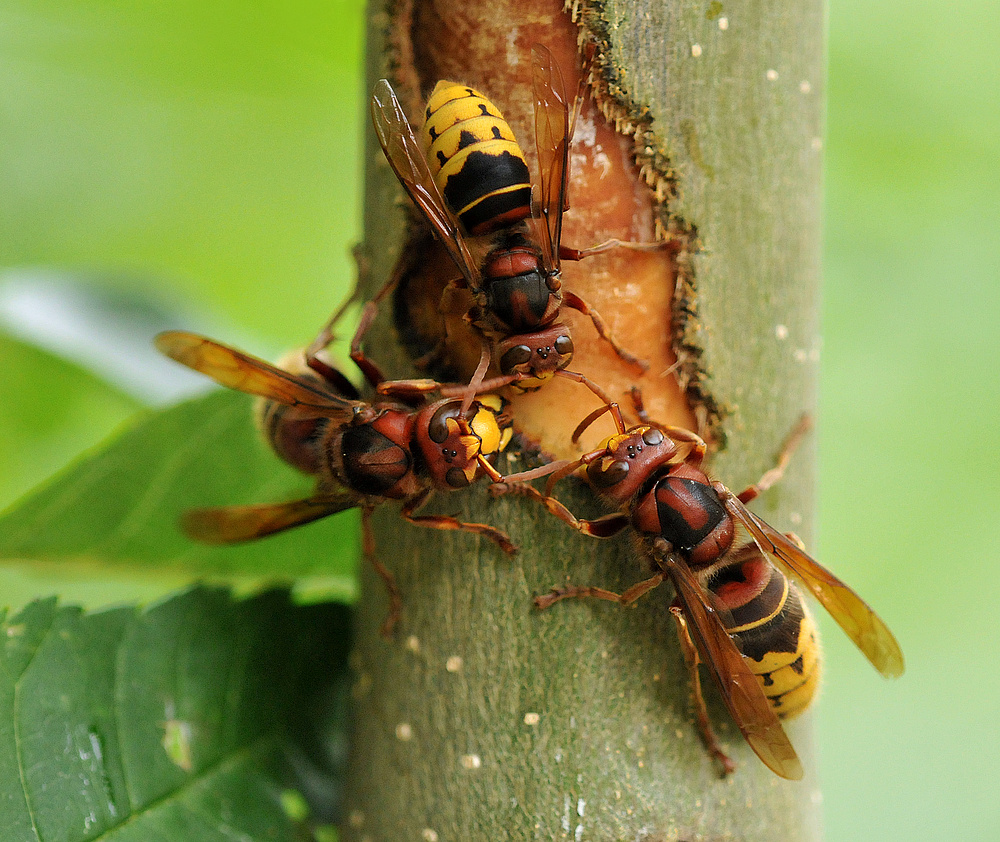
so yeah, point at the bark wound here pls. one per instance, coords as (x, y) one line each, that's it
(621, 186)
(633, 119)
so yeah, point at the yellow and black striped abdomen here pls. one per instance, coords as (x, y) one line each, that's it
(475, 159)
(778, 638)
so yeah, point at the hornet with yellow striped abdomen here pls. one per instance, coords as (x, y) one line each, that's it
(469, 178)
(737, 608)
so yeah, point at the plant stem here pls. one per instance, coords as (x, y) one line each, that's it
(484, 719)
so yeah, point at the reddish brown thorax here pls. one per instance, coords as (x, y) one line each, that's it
(665, 499)
(374, 458)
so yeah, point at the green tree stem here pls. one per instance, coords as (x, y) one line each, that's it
(484, 719)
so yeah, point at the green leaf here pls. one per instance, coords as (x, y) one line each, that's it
(118, 508)
(206, 157)
(51, 410)
(170, 723)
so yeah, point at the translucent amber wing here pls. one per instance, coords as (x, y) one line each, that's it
(247, 373)
(851, 612)
(740, 689)
(408, 162)
(233, 524)
(552, 148)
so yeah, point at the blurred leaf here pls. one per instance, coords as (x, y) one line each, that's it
(170, 723)
(50, 410)
(119, 507)
(106, 331)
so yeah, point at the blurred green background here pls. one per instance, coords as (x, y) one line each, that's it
(200, 163)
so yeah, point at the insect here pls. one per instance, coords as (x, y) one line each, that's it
(736, 609)
(362, 454)
(470, 180)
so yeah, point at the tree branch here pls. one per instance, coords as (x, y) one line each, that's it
(483, 718)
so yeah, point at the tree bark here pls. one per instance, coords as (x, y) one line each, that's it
(484, 718)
